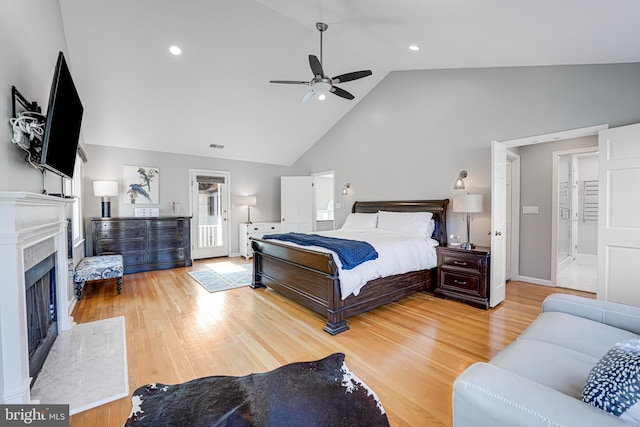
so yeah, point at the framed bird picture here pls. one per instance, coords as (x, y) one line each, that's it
(141, 185)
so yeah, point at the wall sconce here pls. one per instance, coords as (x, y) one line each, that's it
(247, 201)
(345, 189)
(459, 185)
(467, 203)
(105, 189)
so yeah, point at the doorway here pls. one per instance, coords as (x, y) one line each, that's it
(209, 206)
(576, 218)
(323, 184)
(498, 187)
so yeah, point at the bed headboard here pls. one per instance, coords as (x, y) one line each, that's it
(437, 207)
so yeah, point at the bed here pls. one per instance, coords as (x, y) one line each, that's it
(310, 277)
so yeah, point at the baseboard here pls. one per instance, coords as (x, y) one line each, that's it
(533, 280)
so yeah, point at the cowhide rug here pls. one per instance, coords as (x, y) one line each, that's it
(320, 393)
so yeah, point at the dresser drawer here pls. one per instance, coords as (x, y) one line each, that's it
(104, 246)
(165, 256)
(261, 229)
(461, 261)
(172, 243)
(175, 223)
(165, 233)
(117, 225)
(121, 233)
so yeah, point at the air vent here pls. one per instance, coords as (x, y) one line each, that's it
(216, 146)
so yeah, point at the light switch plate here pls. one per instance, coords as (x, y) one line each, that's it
(530, 210)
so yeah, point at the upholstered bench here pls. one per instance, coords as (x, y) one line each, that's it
(98, 268)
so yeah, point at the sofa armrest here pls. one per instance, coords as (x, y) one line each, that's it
(487, 396)
(621, 316)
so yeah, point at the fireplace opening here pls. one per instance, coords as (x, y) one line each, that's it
(42, 328)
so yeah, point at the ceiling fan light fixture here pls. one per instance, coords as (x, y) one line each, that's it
(175, 50)
(414, 47)
(322, 97)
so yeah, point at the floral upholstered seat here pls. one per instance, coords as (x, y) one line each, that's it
(98, 268)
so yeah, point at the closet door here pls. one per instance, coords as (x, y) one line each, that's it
(618, 219)
(297, 203)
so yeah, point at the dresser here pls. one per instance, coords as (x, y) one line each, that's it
(144, 243)
(257, 230)
(463, 275)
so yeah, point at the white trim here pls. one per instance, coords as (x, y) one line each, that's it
(534, 281)
(555, 136)
(515, 212)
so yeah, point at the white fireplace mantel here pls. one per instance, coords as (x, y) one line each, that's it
(26, 220)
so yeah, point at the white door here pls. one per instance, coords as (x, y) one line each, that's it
(297, 203)
(618, 219)
(209, 210)
(498, 222)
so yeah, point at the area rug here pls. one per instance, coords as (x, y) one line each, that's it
(86, 367)
(221, 276)
(319, 393)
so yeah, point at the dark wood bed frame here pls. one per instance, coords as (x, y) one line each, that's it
(311, 278)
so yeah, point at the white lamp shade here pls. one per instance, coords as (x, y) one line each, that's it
(467, 203)
(105, 188)
(247, 200)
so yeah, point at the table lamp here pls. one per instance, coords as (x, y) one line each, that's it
(467, 203)
(105, 189)
(247, 201)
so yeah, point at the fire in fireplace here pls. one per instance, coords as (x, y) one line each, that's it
(40, 281)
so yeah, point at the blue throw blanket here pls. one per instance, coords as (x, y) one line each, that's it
(352, 253)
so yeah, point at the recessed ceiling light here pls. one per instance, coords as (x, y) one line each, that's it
(175, 50)
(414, 47)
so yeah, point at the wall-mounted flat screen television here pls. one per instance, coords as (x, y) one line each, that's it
(62, 127)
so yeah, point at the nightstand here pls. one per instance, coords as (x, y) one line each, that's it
(257, 230)
(463, 275)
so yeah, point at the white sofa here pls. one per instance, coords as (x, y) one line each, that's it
(538, 379)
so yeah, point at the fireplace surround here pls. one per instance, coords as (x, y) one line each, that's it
(32, 227)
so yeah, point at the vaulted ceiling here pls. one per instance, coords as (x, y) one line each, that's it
(138, 95)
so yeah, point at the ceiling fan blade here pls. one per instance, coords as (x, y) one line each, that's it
(341, 93)
(308, 96)
(289, 82)
(316, 67)
(351, 76)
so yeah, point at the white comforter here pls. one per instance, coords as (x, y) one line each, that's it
(397, 254)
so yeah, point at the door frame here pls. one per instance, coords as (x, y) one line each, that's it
(538, 139)
(514, 260)
(226, 204)
(554, 206)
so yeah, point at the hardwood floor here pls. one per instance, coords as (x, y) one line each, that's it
(409, 352)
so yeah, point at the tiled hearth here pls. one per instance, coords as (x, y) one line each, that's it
(32, 227)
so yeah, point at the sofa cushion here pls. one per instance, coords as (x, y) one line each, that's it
(576, 333)
(554, 366)
(613, 384)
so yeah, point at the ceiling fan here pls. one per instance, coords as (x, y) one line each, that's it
(321, 85)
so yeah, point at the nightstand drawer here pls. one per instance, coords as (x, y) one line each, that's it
(461, 261)
(459, 282)
(261, 229)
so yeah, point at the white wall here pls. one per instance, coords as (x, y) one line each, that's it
(411, 135)
(261, 180)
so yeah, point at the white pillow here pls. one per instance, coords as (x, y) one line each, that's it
(414, 223)
(360, 220)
